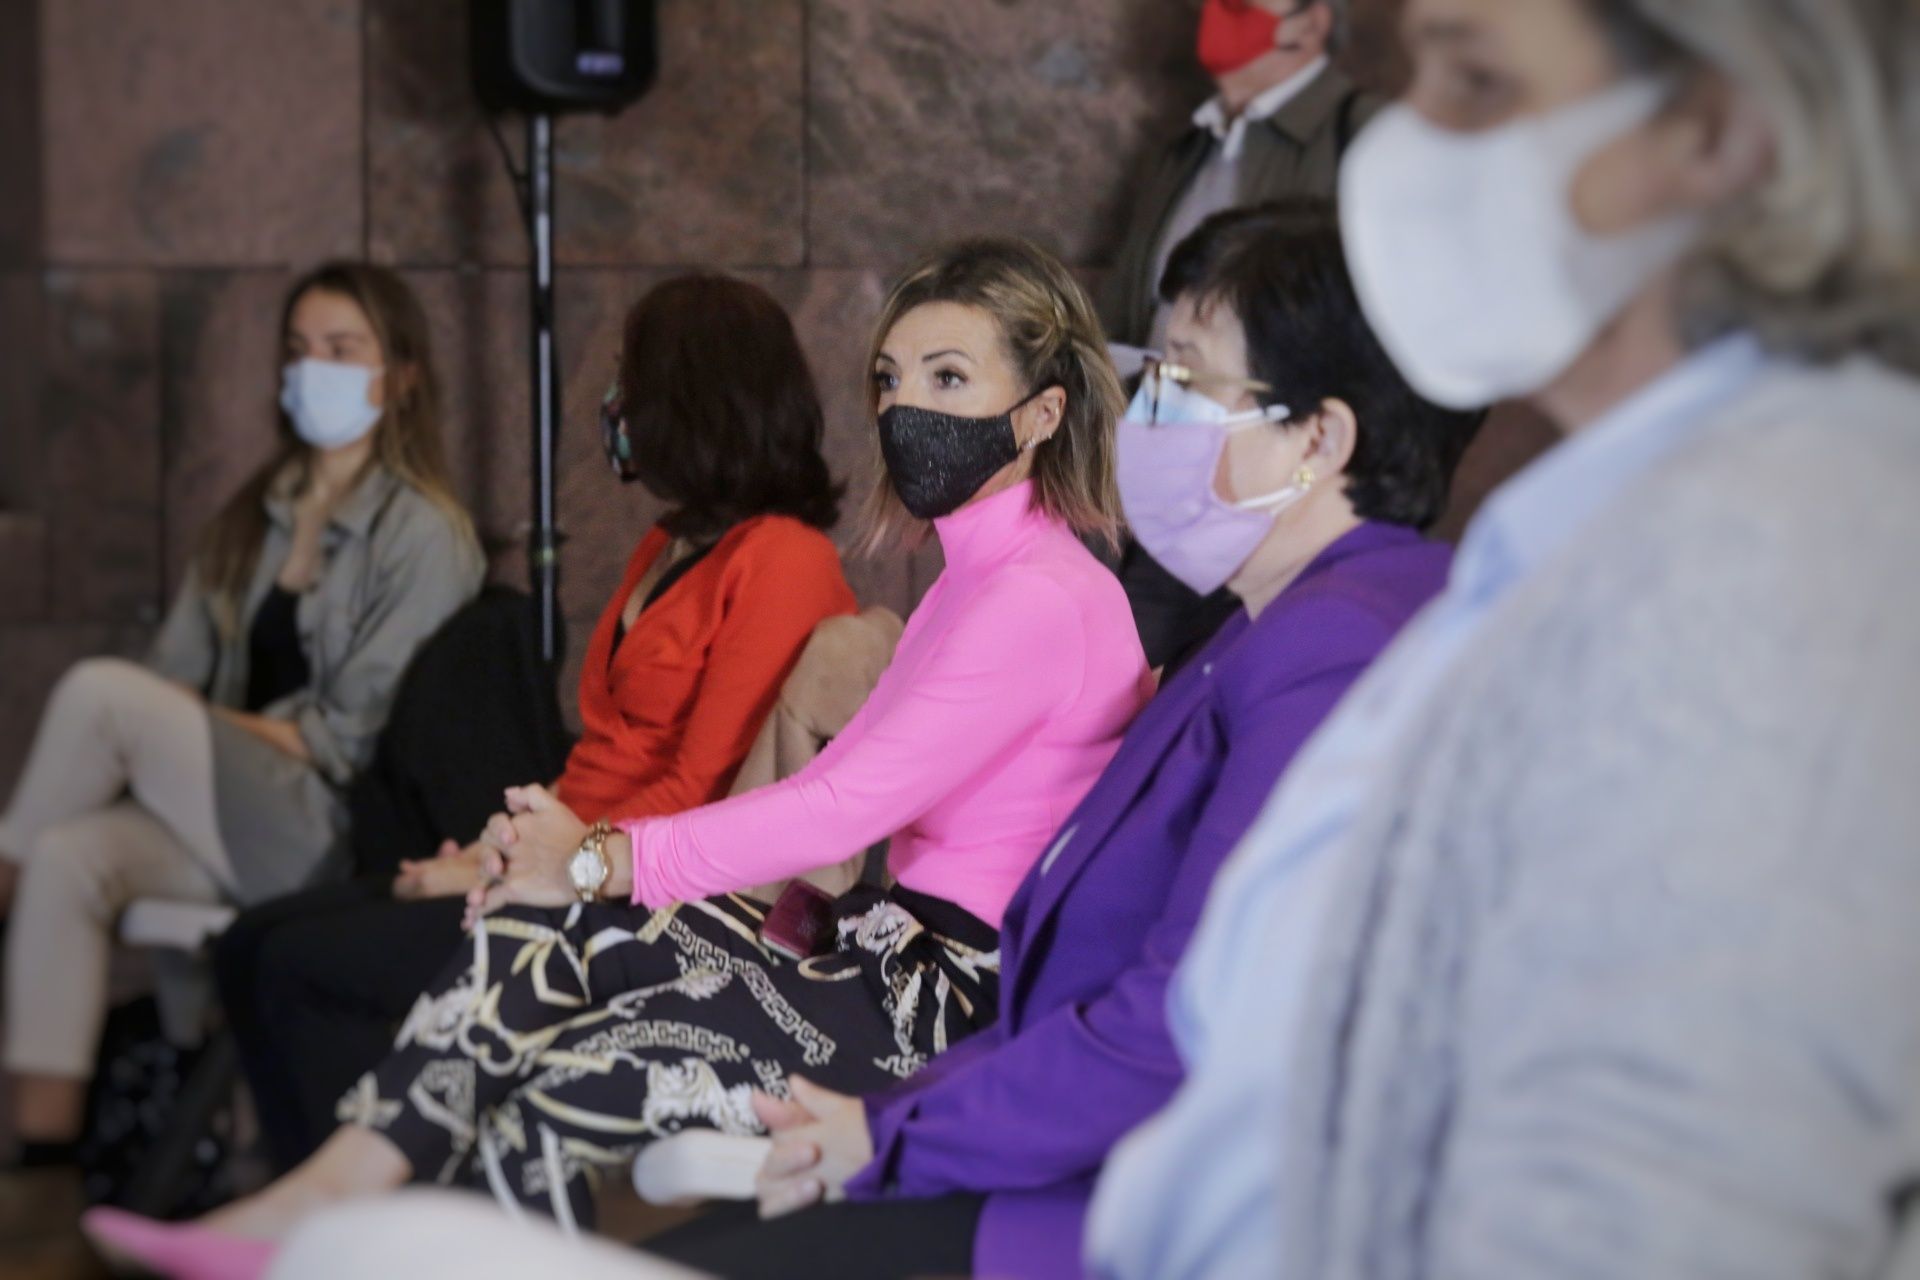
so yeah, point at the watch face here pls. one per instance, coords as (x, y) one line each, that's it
(587, 870)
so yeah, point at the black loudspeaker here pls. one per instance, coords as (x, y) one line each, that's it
(554, 56)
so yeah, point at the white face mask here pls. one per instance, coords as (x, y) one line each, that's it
(327, 401)
(1466, 253)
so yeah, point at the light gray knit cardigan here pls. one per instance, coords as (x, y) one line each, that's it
(1629, 979)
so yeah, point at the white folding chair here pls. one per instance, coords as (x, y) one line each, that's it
(179, 926)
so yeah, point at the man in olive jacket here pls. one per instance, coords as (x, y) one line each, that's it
(1277, 126)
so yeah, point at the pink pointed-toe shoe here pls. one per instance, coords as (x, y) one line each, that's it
(179, 1250)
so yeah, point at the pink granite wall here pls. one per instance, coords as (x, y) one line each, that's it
(165, 167)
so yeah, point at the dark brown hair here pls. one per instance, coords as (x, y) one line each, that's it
(721, 408)
(407, 440)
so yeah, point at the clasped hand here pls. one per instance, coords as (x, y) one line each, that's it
(524, 854)
(820, 1140)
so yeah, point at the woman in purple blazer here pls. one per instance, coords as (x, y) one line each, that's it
(1275, 451)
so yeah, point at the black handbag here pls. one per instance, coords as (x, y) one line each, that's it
(133, 1100)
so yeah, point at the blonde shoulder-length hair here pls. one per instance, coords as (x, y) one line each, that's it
(1053, 338)
(1824, 258)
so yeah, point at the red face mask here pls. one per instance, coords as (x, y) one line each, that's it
(1234, 33)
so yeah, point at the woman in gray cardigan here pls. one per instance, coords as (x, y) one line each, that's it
(1584, 940)
(217, 770)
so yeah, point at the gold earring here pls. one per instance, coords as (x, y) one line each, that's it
(1304, 477)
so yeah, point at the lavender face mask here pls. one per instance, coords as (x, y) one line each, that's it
(1167, 462)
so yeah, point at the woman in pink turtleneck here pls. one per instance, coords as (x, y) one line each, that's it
(574, 1034)
(1002, 705)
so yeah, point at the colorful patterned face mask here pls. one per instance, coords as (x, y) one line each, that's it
(614, 437)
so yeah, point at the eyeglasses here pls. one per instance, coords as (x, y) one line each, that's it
(1157, 371)
(614, 436)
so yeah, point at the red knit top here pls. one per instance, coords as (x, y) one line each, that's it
(669, 715)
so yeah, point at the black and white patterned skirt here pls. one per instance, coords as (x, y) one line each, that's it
(565, 1040)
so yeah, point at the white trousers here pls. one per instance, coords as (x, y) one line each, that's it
(448, 1233)
(116, 803)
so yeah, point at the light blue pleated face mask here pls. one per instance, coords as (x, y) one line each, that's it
(327, 401)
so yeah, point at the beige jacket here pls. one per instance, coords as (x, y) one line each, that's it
(394, 567)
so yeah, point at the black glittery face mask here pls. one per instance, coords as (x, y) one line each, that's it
(938, 460)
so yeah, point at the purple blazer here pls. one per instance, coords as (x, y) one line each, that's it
(1027, 1110)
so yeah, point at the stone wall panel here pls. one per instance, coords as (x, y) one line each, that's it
(201, 132)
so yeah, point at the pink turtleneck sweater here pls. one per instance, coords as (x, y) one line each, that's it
(1008, 694)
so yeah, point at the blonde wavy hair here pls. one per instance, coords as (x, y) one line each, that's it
(1824, 258)
(1053, 339)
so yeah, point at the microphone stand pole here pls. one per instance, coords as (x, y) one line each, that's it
(543, 552)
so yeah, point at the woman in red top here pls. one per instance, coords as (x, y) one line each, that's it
(716, 413)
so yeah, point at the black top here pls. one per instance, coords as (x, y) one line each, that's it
(673, 574)
(276, 665)
(1175, 621)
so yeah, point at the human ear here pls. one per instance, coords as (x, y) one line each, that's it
(1311, 23)
(1719, 144)
(399, 383)
(1336, 433)
(1044, 414)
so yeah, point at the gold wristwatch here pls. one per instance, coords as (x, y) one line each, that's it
(590, 868)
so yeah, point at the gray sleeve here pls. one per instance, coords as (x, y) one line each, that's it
(187, 645)
(1125, 296)
(1691, 1026)
(426, 570)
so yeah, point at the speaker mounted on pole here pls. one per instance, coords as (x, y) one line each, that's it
(557, 56)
